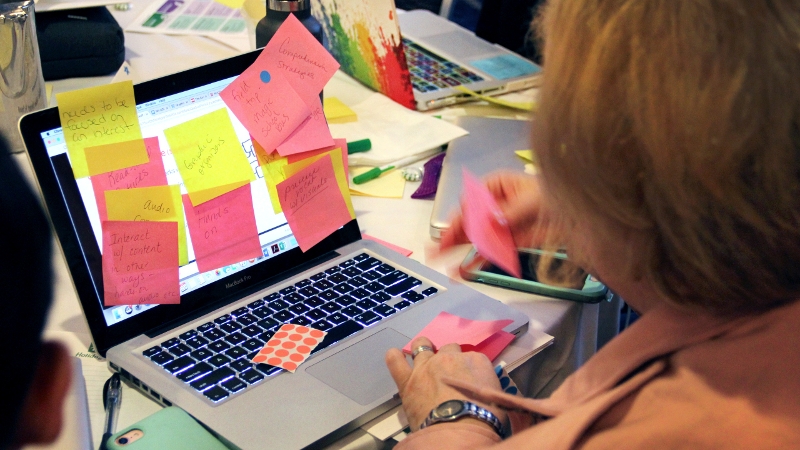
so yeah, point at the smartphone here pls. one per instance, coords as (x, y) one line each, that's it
(583, 288)
(170, 428)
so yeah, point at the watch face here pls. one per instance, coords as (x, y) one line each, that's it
(449, 408)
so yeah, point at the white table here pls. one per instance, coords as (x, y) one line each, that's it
(404, 222)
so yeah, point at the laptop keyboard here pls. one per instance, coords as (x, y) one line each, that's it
(214, 358)
(430, 72)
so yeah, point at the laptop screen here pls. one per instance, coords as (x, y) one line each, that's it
(154, 117)
(75, 214)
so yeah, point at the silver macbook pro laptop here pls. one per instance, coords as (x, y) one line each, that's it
(196, 355)
(489, 147)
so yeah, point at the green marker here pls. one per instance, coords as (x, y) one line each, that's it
(378, 171)
(360, 146)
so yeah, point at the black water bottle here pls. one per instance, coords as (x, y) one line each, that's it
(278, 11)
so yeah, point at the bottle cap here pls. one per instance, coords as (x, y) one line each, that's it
(289, 5)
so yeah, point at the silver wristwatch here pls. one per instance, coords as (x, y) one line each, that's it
(455, 409)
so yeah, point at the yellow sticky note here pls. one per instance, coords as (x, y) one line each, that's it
(110, 157)
(209, 156)
(338, 169)
(527, 155)
(272, 168)
(388, 185)
(151, 204)
(96, 116)
(232, 4)
(524, 106)
(338, 112)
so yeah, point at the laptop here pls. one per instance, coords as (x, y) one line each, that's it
(489, 147)
(196, 355)
(422, 68)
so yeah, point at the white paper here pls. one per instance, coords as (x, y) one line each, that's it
(194, 18)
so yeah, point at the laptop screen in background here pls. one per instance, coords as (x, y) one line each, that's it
(154, 117)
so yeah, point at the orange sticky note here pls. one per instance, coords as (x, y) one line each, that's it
(448, 328)
(337, 158)
(289, 347)
(223, 229)
(312, 203)
(144, 175)
(209, 156)
(140, 263)
(266, 104)
(110, 157)
(486, 227)
(492, 346)
(337, 143)
(155, 204)
(97, 116)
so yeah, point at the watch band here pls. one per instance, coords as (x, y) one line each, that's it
(468, 409)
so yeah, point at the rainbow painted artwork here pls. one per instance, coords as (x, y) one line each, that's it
(364, 36)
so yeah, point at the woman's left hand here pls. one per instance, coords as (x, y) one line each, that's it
(420, 384)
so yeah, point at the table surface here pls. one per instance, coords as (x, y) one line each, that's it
(404, 222)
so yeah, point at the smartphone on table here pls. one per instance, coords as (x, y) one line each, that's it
(170, 428)
(582, 288)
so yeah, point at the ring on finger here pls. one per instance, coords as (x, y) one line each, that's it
(420, 349)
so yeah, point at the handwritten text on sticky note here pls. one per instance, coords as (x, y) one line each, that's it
(140, 263)
(338, 161)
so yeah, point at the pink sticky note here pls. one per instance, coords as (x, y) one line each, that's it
(266, 104)
(486, 227)
(312, 203)
(337, 143)
(289, 347)
(397, 248)
(492, 346)
(140, 263)
(223, 229)
(299, 56)
(447, 328)
(313, 133)
(144, 175)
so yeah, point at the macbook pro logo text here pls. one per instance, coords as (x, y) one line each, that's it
(239, 281)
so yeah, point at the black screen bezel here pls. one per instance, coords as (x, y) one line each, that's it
(70, 221)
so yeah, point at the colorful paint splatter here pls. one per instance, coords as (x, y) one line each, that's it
(364, 36)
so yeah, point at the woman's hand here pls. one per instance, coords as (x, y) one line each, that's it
(519, 197)
(421, 387)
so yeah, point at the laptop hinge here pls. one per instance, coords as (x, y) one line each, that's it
(163, 328)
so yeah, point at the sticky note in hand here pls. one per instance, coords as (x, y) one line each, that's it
(484, 336)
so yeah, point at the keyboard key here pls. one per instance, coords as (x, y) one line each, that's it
(197, 342)
(188, 335)
(337, 278)
(222, 319)
(403, 286)
(218, 346)
(235, 352)
(392, 278)
(352, 311)
(430, 291)
(218, 360)
(213, 378)
(241, 364)
(201, 354)
(301, 320)
(342, 288)
(374, 287)
(402, 305)
(336, 318)
(367, 318)
(346, 300)
(283, 316)
(287, 290)
(256, 304)
(268, 370)
(384, 310)
(308, 291)
(338, 333)
(206, 326)
(262, 312)
(170, 342)
(314, 302)
(251, 376)
(234, 385)
(347, 263)
(323, 284)
(299, 308)
(359, 294)
(161, 358)
(269, 324)
(292, 298)
(366, 304)
(412, 296)
(239, 312)
(213, 335)
(368, 264)
(316, 314)
(318, 277)
(332, 270)
(266, 336)
(278, 305)
(179, 365)
(247, 319)
(235, 339)
(385, 269)
(271, 297)
(179, 350)
(372, 275)
(253, 345)
(328, 295)
(195, 372)
(216, 394)
(151, 351)
(302, 283)
(322, 325)
(361, 257)
(380, 296)
(331, 307)
(352, 271)
(230, 327)
(356, 282)
(252, 331)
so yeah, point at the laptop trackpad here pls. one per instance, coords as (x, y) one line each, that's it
(359, 371)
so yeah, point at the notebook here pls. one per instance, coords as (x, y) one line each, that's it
(196, 355)
(417, 58)
(489, 147)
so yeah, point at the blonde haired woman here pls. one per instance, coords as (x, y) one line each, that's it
(668, 139)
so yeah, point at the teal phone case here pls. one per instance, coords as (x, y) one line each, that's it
(170, 428)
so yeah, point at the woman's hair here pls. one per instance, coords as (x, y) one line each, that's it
(680, 119)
